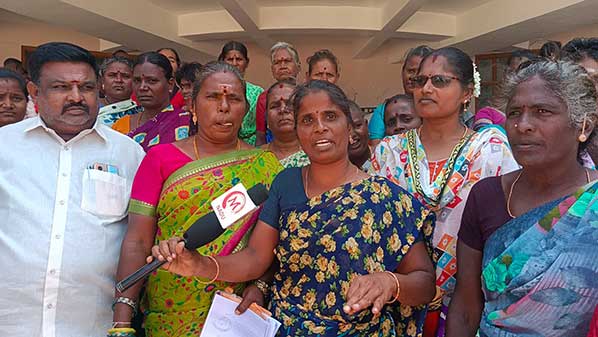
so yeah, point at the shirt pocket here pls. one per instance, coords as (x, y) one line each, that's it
(104, 194)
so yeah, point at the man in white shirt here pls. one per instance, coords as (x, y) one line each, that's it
(65, 181)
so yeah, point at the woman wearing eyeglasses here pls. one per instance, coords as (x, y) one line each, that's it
(441, 160)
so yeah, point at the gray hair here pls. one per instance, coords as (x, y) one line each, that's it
(208, 70)
(566, 80)
(115, 59)
(215, 67)
(286, 46)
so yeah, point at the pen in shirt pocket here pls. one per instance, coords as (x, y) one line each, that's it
(104, 167)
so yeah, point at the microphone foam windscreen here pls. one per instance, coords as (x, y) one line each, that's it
(205, 230)
(258, 194)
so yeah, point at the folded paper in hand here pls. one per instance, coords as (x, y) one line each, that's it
(222, 321)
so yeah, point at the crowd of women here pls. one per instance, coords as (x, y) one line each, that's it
(429, 221)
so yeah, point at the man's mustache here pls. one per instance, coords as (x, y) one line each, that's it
(81, 106)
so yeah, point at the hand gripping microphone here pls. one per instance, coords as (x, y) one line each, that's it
(229, 207)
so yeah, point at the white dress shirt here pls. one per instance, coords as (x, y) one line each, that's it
(62, 221)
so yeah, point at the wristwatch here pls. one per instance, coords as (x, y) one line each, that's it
(262, 286)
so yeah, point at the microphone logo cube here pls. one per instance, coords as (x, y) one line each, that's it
(232, 205)
(235, 201)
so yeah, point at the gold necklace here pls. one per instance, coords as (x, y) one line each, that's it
(238, 147)
(515, 182)
(195, 148)
(307, 177)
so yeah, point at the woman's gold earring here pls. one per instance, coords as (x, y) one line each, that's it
(194, 118)
(582, 137)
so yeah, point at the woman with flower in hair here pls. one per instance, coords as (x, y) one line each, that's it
(440, 161)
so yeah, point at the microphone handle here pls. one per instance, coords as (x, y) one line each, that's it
(139, 274)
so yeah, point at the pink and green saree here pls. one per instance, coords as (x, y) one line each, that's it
(176, 305)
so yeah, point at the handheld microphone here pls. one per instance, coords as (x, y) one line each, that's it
(209, 227)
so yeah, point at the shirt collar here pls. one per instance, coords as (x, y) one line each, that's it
(39, 123)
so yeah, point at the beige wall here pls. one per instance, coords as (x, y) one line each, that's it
(367, 81)
(585, 31)
(17, 31)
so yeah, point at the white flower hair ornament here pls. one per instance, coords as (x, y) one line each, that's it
(477, 81)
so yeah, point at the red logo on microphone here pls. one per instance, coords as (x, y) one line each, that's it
(234, 201)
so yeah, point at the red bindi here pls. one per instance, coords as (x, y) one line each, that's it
(224, 88)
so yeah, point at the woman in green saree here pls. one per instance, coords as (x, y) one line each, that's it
(174, 187)
(235, 53)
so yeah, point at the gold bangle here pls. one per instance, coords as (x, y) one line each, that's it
(117, 331)
(217, 271)
(394, 276)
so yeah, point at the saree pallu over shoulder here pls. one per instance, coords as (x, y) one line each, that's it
(175, 305)
(248, 127)
(297, 159)
(402, 159)
(540, 270)
(358, 228)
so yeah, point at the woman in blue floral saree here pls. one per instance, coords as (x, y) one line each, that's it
(353, 251)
